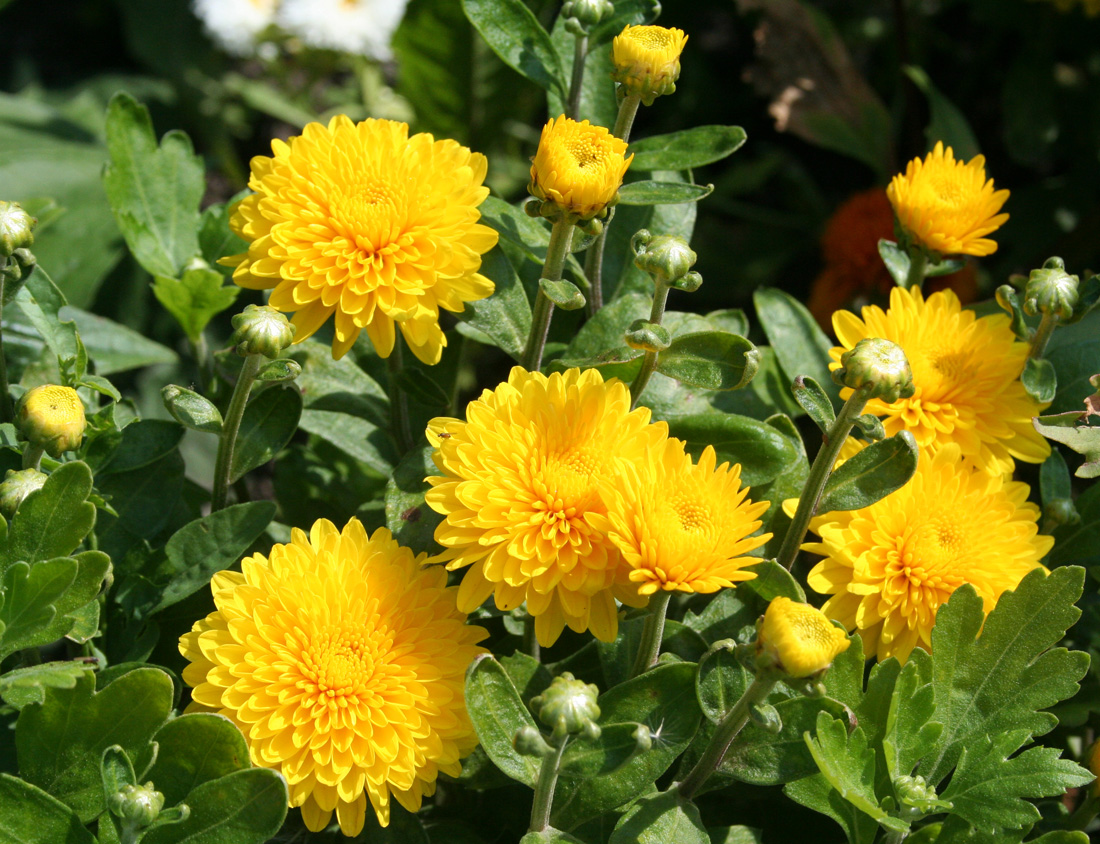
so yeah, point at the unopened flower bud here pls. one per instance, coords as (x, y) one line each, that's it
(915, 793)
(528, 741)
(16, 228)
(643, 739)
(587, 13)
(879, 365)
(261, 330)
(18, 485)
(1051, 290)
(568, 706)
(1060, 511)
(797, 639)
(15, 272)
(136, 805)
(647, 336)
(665, 257)
(52, 418)
(647, 60)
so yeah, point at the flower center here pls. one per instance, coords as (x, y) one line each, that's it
(339, 660)
(949, 191)
(694, 515)
(567, 488)
(651, 37)
(586, 152)
(931, 557)
(954, 366)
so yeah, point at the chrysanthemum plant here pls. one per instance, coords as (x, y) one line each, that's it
(334, 591)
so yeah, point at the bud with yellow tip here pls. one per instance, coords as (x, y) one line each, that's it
(51, 417)
(798, 639)
(578, 169)
(647, 60)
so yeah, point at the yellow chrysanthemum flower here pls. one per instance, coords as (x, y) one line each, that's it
(342, 659)
(579, 167)
(890, 566)
(947, 206)
(520, 489)
(681, 525)
(51, 417)
(361, 222)
(966, 371)
(800, 638)
(647, 60)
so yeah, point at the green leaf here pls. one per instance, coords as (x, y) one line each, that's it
(724, 617)
(620, 275)
(154, 192)
(191, 410)
(565, 294)
(116, 770)
(1082, 439)
(498, 713)
(721, 680)
(881, 468)
(816, 793)
(598, 100)
(31, 816)
(211, 544)
(514, 34)
(617, 657)
(42, 301)
(896, 260)
(216, 239)
(999, 682)
(686, 149)
(60, 742)
(195, 749)
(195, 298)
(773, 581)
(116, 348)
(1039, 380)
(662, 193)
(815, 401)
(660, 819)
(505, 317)
(410, 520)
(1054, 480)
(735, 835)
(28, 685)
(549, 836)
(143, 442)
(987, 788)
(948, 123)
(762, 451)
(1074, 351)
(713, 360)
(800, 345)
(245, 807)
(52, 521)
(910, 733)
(269, 422)
(354, 435)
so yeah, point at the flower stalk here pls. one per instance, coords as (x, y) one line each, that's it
(556, 252)
(32, 456)
(918, 267)
(6, 412)
(228, 439)
(652, 634)
(544, 789)
(576, 84)
(399, 401)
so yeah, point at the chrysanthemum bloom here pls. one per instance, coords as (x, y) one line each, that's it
(360, 27)
(364, 223)
(520, 488)
(681, 525)
(966, 371)
(342, 660)
(647, 60)
(235, 24)
(890, 566)
(946, 206)
(853, 273)
(799, 638)
(579, 167)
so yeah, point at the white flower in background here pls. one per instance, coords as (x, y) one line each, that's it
(362, 27)
(234, 24)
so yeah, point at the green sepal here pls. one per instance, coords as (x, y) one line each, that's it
(648, 336)
(280, 370)
(564, 294)
(1040, 380)
(191, 410)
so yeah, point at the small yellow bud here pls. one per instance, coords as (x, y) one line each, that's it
(578, 167)
(52, 418)
(647, 60)
(799, 639)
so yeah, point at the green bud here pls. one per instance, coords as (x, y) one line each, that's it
(16, 228)
(1051, 290)
(879, 365)
(15, 272)
(665, 257)
(688, 282)
(643, 739)
(528, 741)
(767, 717)
(1059, 512)
(915, 793)
(586, 13)
(136, 805)
(647, 336)
(564, 294)
(871, 427)
(283, 369)
(568, 706)
(18, 485)
(52, 418)
(261, 330)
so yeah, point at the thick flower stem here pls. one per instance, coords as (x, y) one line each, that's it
(1042, 335)
(652, 634)
(230, 427)
(649, 362)
(819, 475)
(556, 253)
(918, 265)
(724, 734)
(6, 413)
(580, 53)
(593, 261)
(32, 456)
(544, 789)
(399, 402)
(530, 641)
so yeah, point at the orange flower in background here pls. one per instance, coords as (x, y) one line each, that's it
(854, 274)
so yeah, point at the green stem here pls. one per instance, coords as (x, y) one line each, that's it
(544, 789)
(399, 402)
(556, 253)
(580, 52)
(652, 634)
(530, 641)
(819, 474)
(649, 362)
(895, 837)
(1042, 335)
(32, 456)
(724, 734)
(918, 265)
(6, 413)
(1082, 816)
(232, 424)
(624, 120)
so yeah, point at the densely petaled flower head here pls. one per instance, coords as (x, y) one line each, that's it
(51, 417)
(647, 60)
(799, 638)
(681, 525)
(890, 566)
(579, 167)
(360, 27)
(235, 24)
(947, 206)
(342, 659)
(364, 223)
(520, 489)
(966, 373)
